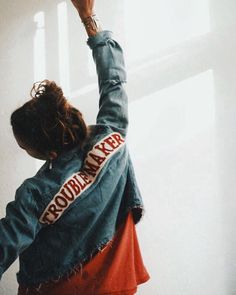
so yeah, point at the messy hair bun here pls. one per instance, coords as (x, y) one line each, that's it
(47, 122)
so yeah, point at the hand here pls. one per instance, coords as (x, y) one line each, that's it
(85, 8)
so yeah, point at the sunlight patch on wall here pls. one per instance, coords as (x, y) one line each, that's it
(63, 46)
(162, 24)
(172, 116)
(39, 47)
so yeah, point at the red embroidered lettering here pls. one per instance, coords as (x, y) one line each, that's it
(97, 158)
(101, 147)
(114, 144)
(45, 218)
(85, 177)
(90, 168)
(79, 182)
(69, 190)
(74, 186)
(82, 185)
(67, 196)
(53, 210)
(118, 138)
(61, 202)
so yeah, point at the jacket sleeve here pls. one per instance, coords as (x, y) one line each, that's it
(18, 228)
(110, 66)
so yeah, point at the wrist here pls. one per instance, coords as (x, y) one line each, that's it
(92, 24)
(85, 14)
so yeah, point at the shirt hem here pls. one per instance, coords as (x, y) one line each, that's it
(124, 292)
(128, 291)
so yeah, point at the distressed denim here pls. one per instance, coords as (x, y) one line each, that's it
(48, 251)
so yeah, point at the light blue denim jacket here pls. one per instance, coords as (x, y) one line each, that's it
(61, 217)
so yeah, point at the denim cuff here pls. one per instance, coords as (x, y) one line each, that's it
(99, 39)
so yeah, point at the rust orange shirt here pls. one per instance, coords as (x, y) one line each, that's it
(117, 269)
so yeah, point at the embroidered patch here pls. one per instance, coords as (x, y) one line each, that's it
(76, 184)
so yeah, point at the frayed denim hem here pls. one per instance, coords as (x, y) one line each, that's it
(138, 212)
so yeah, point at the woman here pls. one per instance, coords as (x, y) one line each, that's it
(73, 224)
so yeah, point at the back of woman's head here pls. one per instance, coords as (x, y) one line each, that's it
(47, 122)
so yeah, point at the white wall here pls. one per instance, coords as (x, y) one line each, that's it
(181, 60)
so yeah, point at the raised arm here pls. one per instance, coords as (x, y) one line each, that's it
(110, 66)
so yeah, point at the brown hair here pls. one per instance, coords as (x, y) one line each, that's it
(47, 122)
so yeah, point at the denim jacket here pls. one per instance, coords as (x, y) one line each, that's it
(61, 217)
